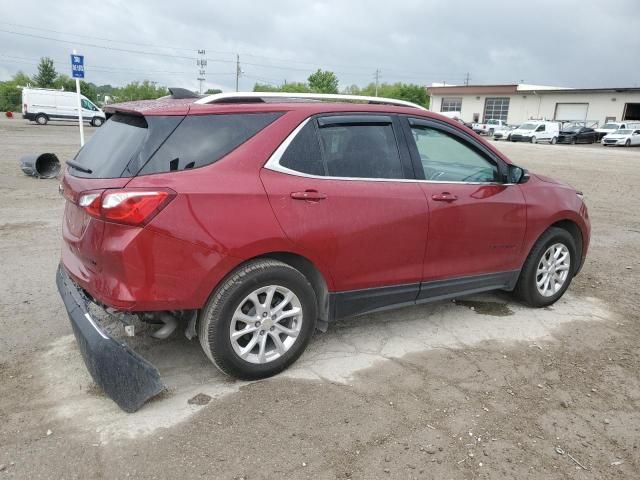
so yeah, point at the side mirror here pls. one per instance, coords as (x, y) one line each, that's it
(518, 174)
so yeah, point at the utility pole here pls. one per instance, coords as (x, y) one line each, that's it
(202, 65)
(467, 78)
(377, 77)
(238, 70)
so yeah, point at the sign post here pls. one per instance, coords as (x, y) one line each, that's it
(77, 72)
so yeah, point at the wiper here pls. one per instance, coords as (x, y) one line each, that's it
(79, 167)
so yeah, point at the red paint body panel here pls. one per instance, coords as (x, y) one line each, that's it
(480, 232)
(368, 234)
(364, 234)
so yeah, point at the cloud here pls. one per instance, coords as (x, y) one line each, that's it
(561, 43)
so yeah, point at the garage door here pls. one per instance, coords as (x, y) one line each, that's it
(571, 111)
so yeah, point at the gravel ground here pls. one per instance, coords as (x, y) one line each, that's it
(478, 388)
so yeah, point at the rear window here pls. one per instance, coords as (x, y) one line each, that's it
(204, 139)
(111, 148)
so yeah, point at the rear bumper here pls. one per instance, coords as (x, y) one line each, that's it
(126, 377)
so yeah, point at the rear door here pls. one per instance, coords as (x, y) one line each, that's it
(341, 194)
(476, 221)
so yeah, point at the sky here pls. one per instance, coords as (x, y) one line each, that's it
(566, 43)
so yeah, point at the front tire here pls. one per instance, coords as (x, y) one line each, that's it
(549, 269)
(627, 143)
(97, 122)
(276, 308)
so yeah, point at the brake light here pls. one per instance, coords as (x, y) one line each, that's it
(130, 207)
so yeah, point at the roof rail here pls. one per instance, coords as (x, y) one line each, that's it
(262, 97)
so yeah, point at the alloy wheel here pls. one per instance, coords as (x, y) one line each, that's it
(553, 269)
(266, 324)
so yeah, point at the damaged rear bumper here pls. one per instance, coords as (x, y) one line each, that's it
(126, 377)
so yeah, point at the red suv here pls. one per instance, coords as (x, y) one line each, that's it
(253, 220)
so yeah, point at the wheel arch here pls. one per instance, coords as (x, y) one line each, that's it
(309, 270)
(576, 233)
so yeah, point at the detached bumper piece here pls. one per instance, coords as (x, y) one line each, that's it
(126, 377)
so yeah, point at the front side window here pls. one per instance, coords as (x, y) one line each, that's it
(451, 104)
(87, 105)
(361, 151)
(541, 128)
(446, 158)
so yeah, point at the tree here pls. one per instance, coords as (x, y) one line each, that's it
(146, 90)
(400, 91)
(68, 84)
(323, 81)
(213, 91)
(46, 73)
(10, 94)
(288, 87)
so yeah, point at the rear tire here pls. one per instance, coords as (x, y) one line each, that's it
(554, 140)
(538, 267)
(258, 353)
(41, 119)
(627, 143)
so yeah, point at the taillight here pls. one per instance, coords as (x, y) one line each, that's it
(130, 206)
(24, 108)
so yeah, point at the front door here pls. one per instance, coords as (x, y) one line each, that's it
(476, 221)
(340, 193)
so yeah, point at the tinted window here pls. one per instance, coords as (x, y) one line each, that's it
(540, 128)
(204, 139)
(303, 154)
(445, 158)
(361, 151)
(111, 148)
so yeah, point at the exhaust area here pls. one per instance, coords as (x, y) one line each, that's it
(167, 329)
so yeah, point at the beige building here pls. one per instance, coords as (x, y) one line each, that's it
(516, 104)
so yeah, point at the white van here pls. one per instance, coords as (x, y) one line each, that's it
(43, 104)
(535, 131)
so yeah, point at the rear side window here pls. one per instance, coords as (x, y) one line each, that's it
(303, 154)
(112, 147)
(204, 139)
(361, 151)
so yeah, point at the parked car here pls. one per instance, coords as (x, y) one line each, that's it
(505, 133)
(535, 131)
(253, 219)
(489, 127)
(577, 134)
(43, 104)
(623, 137)
(611, 127)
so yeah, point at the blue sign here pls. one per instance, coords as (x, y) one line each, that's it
(77, 66)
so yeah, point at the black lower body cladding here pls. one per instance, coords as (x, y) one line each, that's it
(126, 377)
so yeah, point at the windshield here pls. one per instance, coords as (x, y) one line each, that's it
(610, 126)
(528, 126)
(573, 128)
(624, 131)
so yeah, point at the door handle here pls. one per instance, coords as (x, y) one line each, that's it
(309, 195)
(444, 197)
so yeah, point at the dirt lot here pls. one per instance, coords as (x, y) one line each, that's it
(478, 388)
